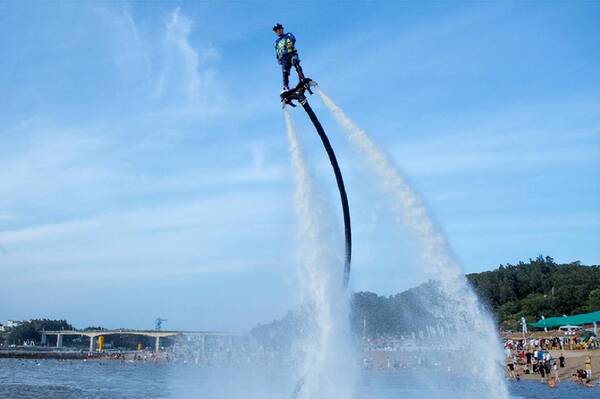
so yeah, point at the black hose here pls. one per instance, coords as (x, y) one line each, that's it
(340, 183)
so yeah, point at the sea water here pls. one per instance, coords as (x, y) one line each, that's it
(52, 379)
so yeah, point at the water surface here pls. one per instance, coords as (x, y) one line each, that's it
(52, 379)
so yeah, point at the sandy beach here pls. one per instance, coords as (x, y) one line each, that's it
(573, 360)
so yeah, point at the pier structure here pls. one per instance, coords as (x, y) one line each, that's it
(157, 334)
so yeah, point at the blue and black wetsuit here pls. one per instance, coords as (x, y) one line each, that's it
(288, 57)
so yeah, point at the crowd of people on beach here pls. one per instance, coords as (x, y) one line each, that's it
(130, 356)
(536, 358)
(572, 342)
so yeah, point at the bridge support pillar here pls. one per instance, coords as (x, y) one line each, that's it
(59, 340)
(157, 345)
(44, 339)
(91, 343)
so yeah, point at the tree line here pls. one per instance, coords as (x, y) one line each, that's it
(528, 289)
(30, 332)
(538, 287)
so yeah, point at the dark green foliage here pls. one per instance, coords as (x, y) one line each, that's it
(371, 316)
(92, 328)
(594, 299)
(280, 334)
(539, 287)
(31, 330)
(377, 316)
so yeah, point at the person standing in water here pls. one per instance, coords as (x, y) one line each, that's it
(588, 367)
(542, 370)
(510, 364)
(555, 372)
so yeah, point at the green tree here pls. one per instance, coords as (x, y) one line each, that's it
(528, 289)
(540, 286)
(32, 330)
(594, 300)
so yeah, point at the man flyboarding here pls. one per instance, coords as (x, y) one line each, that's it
(287, 55)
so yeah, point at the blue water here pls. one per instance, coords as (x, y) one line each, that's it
(51, 379)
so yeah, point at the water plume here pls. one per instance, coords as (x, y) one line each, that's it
(457, 308)
(327, 365)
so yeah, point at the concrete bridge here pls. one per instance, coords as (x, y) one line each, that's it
(157, 334)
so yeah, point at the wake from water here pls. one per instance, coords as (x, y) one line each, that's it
(460, 307)
(327, 368)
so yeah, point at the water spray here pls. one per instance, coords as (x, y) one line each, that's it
(326, 344)
(459, 297)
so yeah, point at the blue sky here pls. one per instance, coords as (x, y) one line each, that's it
(144, 167)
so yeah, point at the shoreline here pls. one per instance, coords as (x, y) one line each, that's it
(82, 355)
(574, 359)
(41, 355)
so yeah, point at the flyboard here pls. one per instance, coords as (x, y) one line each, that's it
(297, 95)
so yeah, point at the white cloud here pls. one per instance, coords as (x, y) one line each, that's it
(186, 75)
(203, 236)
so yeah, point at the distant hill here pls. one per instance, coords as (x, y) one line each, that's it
(538, 287)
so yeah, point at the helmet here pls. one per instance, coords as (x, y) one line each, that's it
(278, 26)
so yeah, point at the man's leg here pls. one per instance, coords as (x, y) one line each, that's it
(286, 66)
(296, 63)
